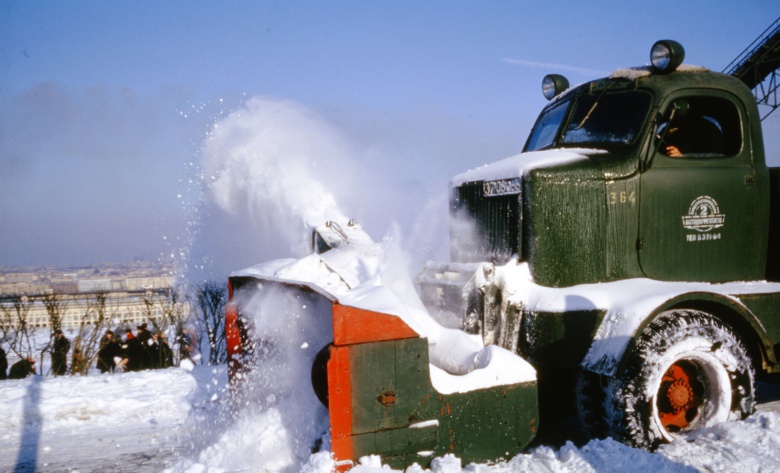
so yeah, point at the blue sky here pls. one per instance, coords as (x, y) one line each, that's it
(104, 104)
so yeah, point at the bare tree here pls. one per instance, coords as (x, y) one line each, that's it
(172, 314)
(175, 315)
(6, 320)
(93, 321)
(56, 305)
(150, 299)
(210, 319)
(17, 329)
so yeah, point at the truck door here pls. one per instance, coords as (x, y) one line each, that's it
(700, 205)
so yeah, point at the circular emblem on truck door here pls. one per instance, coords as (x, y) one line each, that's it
(703, 215)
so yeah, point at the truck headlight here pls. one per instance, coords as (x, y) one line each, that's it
(553, 84)
(666, 55)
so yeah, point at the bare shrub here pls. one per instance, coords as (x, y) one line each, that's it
(209, 311)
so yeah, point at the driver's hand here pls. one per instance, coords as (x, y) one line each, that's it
(673, 152)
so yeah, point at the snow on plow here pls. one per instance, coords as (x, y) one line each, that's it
(395, 383)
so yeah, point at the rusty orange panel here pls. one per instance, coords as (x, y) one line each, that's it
(340, 403)
(353, 325)
(232, 332)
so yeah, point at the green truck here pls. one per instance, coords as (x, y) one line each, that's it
(624, 266)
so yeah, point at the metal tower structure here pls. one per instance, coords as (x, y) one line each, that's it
(758, 66)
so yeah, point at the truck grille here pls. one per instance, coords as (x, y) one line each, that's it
(492, 230)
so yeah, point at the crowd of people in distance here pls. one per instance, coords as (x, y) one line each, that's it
(142, 351)
(133, 352)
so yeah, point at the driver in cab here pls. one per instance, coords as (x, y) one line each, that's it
(691, 133)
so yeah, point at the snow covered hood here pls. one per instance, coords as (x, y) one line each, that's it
(520, 164)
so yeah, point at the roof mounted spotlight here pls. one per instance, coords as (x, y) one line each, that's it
(666, 55)
(553, 85)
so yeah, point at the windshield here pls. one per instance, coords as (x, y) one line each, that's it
(543, 134)
(595, 120)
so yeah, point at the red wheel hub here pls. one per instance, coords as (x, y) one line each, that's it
(679, 395)
(677, 403)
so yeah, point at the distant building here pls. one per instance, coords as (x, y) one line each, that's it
(76, 310)
(132, 293)
(94, 285)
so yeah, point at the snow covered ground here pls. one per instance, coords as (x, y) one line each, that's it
(117, 422)
(176, 420)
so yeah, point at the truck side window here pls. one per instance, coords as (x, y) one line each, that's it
(703, 127)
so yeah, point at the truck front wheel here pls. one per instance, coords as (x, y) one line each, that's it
(686, 371)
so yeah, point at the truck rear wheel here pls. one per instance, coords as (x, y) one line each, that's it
(687, 370)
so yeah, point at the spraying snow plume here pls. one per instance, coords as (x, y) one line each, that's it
(272, 169)
(279, 421)
(270, 159)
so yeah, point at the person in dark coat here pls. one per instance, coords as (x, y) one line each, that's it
(145, 341)
(3, 364)
(162, 353)
(59, 355)
(103, 362)
(22, 369)
(109, 351)
(153, 349)
(133, 352)
(166, 354)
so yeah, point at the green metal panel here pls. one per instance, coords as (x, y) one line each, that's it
(490, 424)
(705, 218)
(766, 308)
(672, 250)
(554, 340)
(397, 442)
(420, 423)
(414, 382)
(566, 218)
(385, 368)
(622, 200)
(773, 247)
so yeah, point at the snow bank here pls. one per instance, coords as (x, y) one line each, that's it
(751, 445)
(71, 422)
(748, 446)
(71, 401)
(263, 440)
(489, 366)
(79, 432)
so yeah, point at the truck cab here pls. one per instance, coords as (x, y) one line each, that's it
(627, 207)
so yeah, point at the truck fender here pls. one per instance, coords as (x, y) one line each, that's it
(622, 325)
